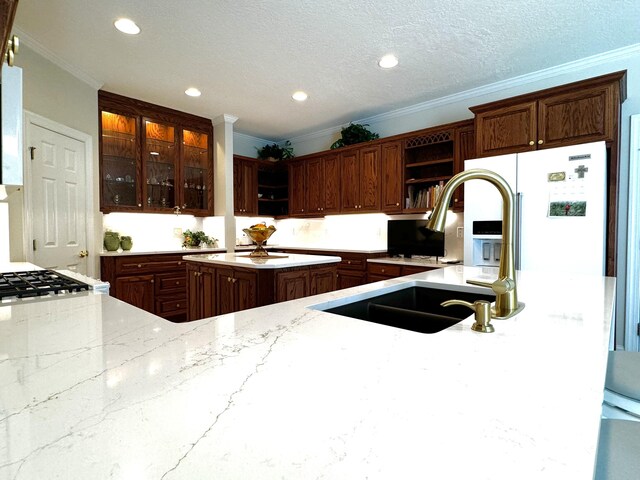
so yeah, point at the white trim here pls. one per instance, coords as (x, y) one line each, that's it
(570, 67)
(57, 60)
(633, 240)
(31, 118)
(224, 118)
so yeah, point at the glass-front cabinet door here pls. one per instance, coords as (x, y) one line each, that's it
(119, 174)
(196, 173)
(160, 159)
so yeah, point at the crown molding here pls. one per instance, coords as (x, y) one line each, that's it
(582, 64)
(253, 138)
(56, 60)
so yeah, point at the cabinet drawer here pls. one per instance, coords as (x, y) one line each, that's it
(384, 269)
(168, 282)
(139, 265)
(171, 306)
(410, 270)
(352, 263)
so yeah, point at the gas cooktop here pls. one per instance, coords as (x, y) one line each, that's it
(35, 283)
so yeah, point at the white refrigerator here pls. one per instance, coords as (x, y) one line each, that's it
(560, 204)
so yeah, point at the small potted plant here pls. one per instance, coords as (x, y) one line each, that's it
(354, 133)
(275, 152)
(196, 239)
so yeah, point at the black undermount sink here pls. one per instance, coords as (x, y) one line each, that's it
(413, 308)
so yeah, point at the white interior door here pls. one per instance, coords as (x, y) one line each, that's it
(59, 210)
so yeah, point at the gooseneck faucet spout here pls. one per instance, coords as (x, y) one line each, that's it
(505, 286)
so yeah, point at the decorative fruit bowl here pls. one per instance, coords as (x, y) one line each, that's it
(259, 233)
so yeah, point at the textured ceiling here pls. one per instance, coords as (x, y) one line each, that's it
(248, 57)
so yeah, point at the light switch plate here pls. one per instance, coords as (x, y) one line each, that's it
(460, 232)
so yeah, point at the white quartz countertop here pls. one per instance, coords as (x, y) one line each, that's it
(186, 251)
(274, 260)
(94, 388)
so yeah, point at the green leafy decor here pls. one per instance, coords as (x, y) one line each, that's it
(195, 239)
(276, 152)
(354, 133)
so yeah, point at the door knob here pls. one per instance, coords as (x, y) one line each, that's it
(83, 253)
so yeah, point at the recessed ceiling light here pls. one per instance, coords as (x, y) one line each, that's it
(388, 61)
(300, 96)
(193, 92)
(126, 25)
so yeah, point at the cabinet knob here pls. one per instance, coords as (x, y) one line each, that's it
(540, 142)
(532, 142)
(177, 305)
(229, 279)
(177, 283)
(139, 266)
(153, 281)
(140, 205)
(397, 204)
(382, 270)
(348, 262)
(234, 280)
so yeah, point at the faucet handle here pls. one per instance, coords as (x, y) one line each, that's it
(500, 286)
(482, 309)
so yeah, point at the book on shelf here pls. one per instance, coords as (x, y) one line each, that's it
(424, 198)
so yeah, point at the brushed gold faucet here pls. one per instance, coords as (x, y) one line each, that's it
(505, 286)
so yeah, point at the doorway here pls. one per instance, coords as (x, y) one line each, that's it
(58, 200)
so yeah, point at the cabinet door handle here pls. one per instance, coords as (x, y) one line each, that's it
(540, 142)
(234, 280)
(532, 142)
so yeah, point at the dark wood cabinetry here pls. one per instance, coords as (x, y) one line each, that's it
(392, 195)
(220, 289)
(155, 283)
(153, 159)
(235, 289)
(314, 185)
(200, 288)
(384, 271)
(579, 112)
(245, 186)
(273, 189)
(361, 179)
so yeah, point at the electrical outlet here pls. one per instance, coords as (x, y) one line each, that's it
(460, 232)
(177, 232)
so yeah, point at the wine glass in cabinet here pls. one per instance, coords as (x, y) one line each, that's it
(196, 172)
(119, 172)
(160, 158)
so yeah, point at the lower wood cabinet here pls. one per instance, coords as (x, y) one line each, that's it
(200, 284)
(384, 271)
(155, 283)
(220, 289)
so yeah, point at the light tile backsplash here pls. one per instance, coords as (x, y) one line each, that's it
(155, 232)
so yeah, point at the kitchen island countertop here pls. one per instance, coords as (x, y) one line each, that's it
(95, 388)
(273, 261)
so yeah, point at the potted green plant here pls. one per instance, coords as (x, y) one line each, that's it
(354, 133)
(275, 152)
(196, 239)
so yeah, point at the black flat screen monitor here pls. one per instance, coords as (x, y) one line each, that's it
(411, 237)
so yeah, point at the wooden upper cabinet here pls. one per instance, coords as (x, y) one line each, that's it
(245, 186)
(331, 186)
(507, 130)
(315, 185)
(361, 180)
(465, 149)
(391, 174)
(297, 189)
(580, 112)
(577, 117)
(152, 158)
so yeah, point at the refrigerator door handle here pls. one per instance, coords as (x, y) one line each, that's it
(518, 245)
